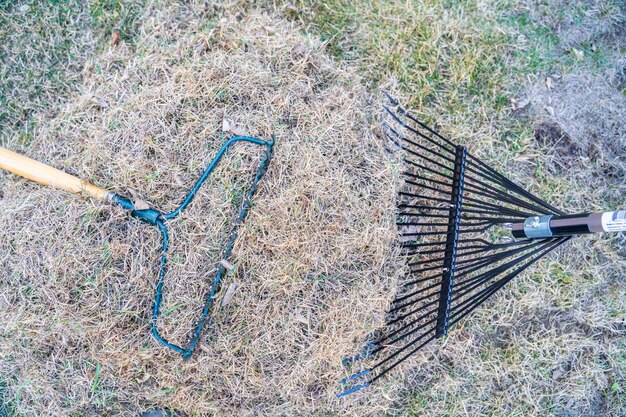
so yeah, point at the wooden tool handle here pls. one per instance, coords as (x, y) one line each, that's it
(46, 175)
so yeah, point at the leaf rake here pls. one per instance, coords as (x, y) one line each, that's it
(466, 231)
(46, 175)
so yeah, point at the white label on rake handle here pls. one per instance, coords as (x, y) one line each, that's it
(614, 221)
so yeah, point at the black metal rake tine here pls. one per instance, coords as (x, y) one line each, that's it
(408, 214)
(420, 280)
(419, 196)
(407, 224)
(405, 357)
(393, 339)
(419, 177)
(430, 268)
(468, 285)
(474, 202)
(474, 208)
(417, 132)
(422, 147)
(427, 187)
(408, 325)
(420, 207)
(502, 197)
(426, 261)
(421, 245)
(415, 120)
(421, 290)
(427, 252)
(472, 250)
(410, 313)
(414, 164)
(507, 183)
(492, 220)
(475, 264)
(486, 293)
(412, 302)
(468, 269)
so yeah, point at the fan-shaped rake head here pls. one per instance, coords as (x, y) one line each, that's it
(454, 215)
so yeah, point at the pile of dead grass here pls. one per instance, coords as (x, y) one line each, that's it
(312, 262)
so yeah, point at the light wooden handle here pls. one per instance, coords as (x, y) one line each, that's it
(46, 175)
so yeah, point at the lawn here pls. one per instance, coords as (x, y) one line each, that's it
(133, 95)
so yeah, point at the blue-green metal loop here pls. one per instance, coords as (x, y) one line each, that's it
(158, 219)
(212, 166)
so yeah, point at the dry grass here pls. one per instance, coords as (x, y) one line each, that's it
(78, 276)
(315, 263)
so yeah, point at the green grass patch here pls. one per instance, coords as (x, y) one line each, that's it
(8, 402)
(109, 16)
(544, 44)
(41, 49)
(449, 57)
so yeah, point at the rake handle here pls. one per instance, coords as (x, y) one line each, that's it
(570, 225)
(47, 175)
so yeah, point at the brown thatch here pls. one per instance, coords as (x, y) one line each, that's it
(312, 259)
